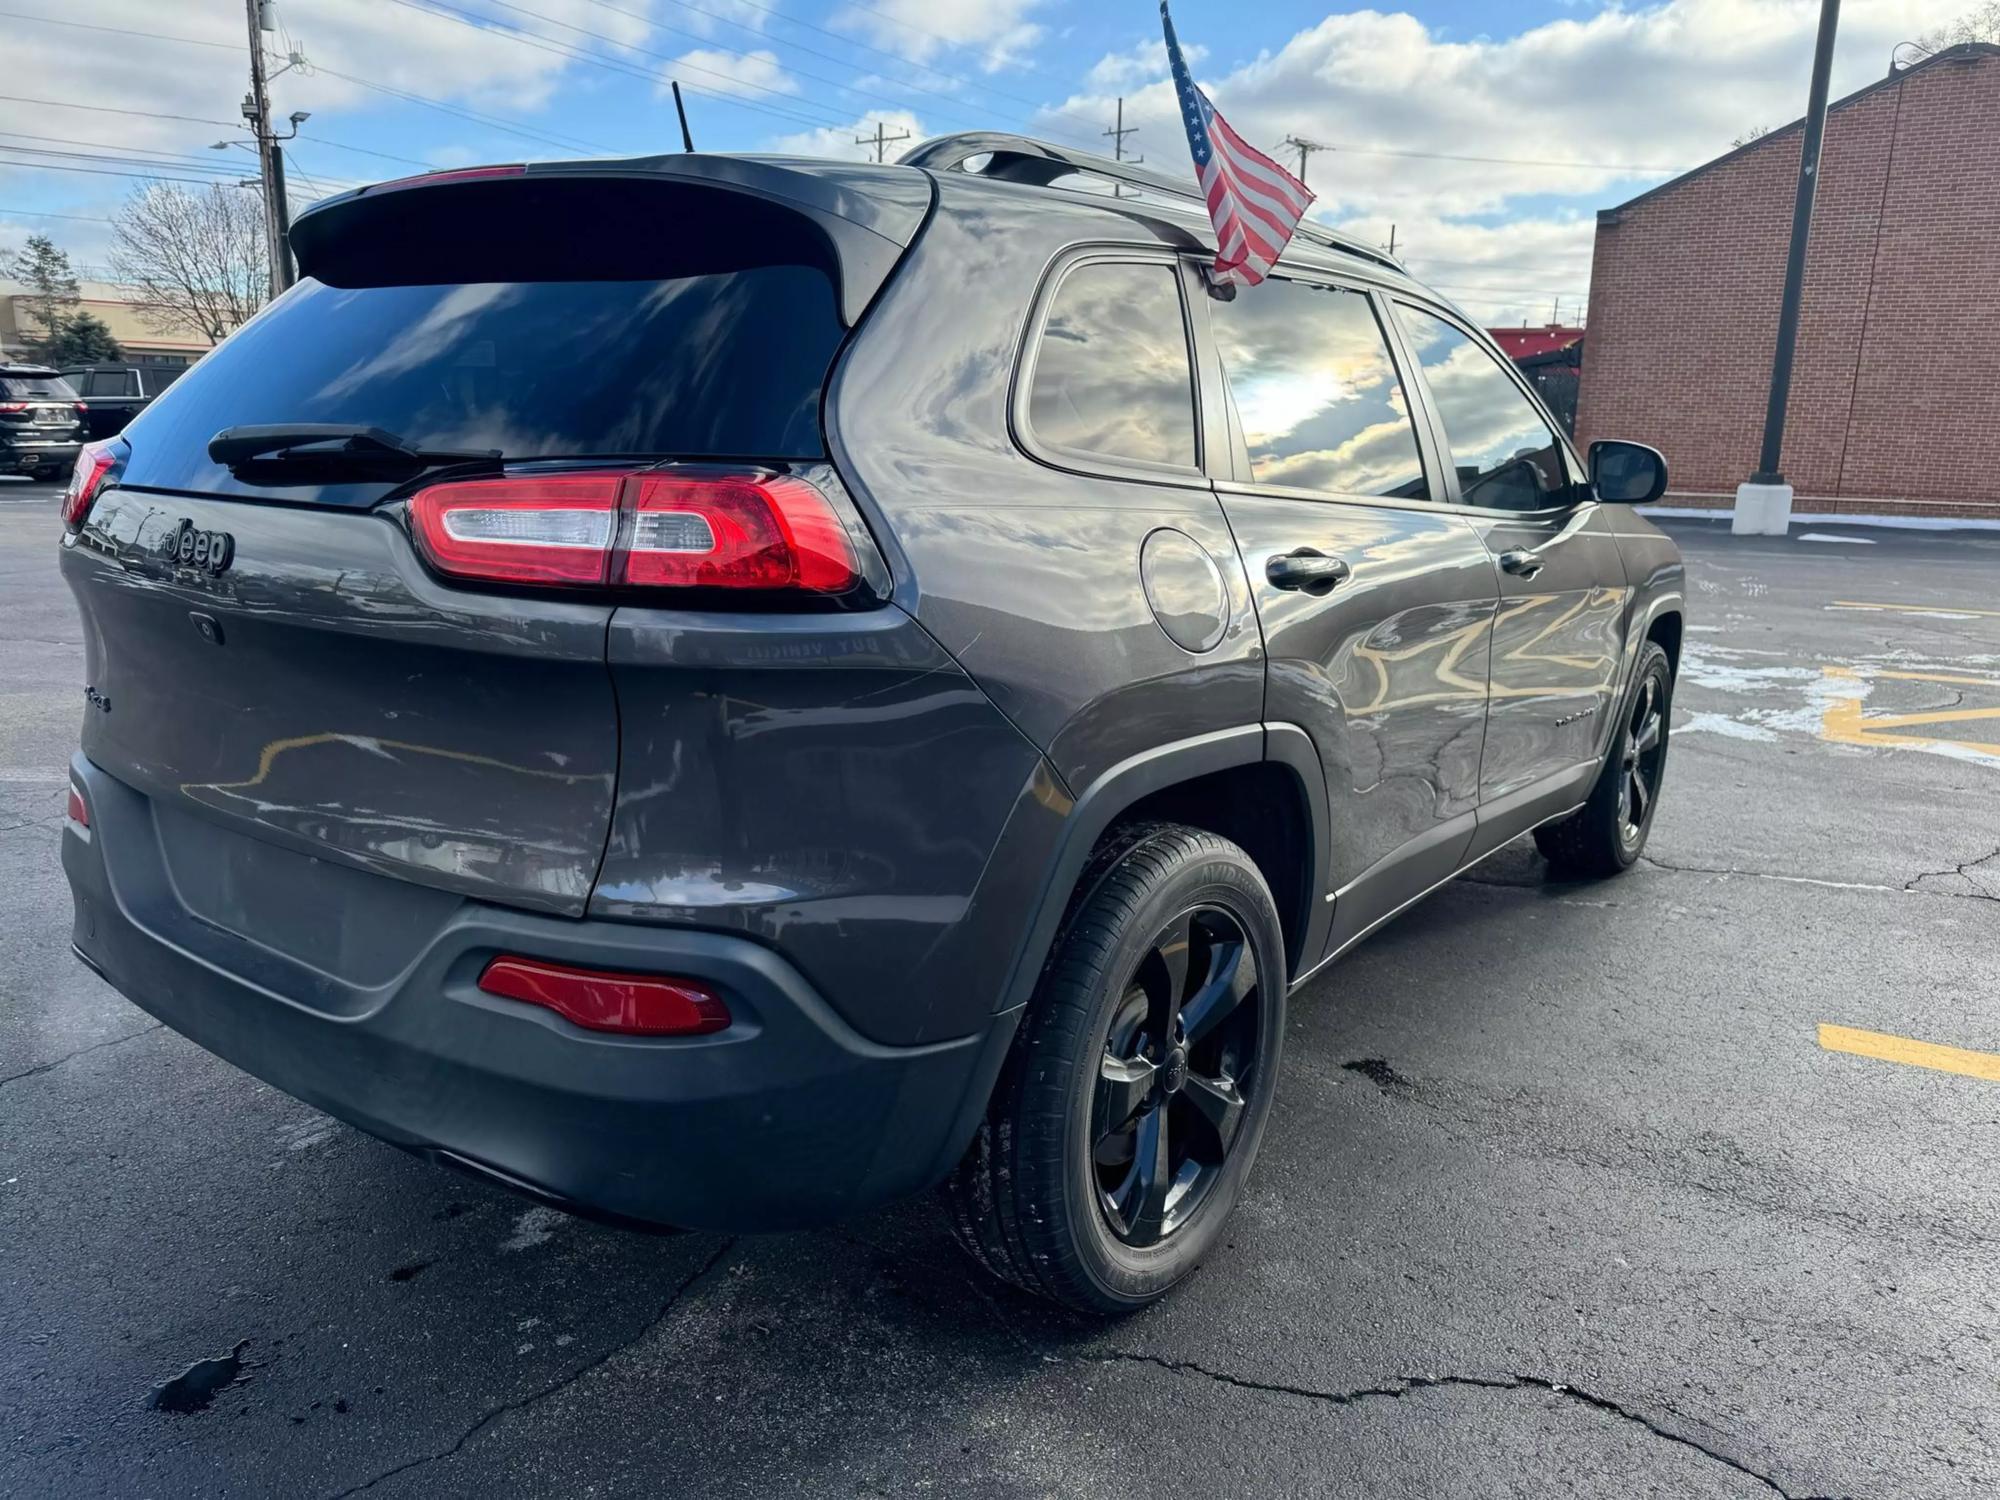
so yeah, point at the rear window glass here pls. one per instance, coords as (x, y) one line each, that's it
(36, 388)
(724, 365)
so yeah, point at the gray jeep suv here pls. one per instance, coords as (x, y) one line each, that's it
(721, 691)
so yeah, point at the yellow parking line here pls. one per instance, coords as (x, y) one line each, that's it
(1900, 1049)
(1843, 723)
(1920, 609)
(1943, 716)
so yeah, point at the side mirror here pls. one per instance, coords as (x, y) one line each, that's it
(1627, 473)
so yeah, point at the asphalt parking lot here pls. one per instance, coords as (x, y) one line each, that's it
(1567, 1192)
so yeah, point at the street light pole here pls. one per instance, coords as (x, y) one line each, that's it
(1764, 504)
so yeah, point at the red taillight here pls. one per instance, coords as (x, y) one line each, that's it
(557, 529)
(78, 813)
(81, 407)
(729, 533)
(93, 462)
(646, 529)
(13, 406)
(639, 1004)
(455, 174)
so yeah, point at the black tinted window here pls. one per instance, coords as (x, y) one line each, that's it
(722, 365)
(1316, 392)
(1112, 374)
(110, 383)
(1506, 456)
(36, 388)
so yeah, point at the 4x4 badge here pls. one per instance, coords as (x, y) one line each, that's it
(191, 547)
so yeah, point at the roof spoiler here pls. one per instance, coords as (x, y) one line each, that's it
(689, 211)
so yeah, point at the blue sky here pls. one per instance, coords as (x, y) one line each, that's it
(1568, 107)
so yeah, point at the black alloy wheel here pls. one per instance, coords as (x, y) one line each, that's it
(1177, 1073)
(1127, 1120)
(1642, 757)
(1605, 835)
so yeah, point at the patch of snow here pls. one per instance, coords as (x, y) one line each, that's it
(1823, 536)
(1722, 724)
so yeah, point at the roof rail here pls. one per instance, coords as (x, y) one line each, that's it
(1020, 158)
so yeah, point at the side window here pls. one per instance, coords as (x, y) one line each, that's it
(1111, 373)
(101, 383)
(1506, 456)
(1316, 391)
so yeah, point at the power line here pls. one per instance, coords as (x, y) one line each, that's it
(40, 213)
(106, 109)
(489, 121)
(486, 26)
(153, 36)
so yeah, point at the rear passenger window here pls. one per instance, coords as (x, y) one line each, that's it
(1316, 392)
(1506, 455)
(1111, 372)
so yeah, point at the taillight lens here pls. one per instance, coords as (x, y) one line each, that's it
(637, 1004)
(556, 529)
(82, 407)
(643, 529)
(730, 533)
(13, 406)
(79, 814)
(93, 462)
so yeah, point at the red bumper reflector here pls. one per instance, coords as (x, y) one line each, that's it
(637, 1004)
(78, 813)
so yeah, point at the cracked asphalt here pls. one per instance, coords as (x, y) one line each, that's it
(1561, 1196)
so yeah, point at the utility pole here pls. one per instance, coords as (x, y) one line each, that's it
(1392, 235)
(1305, 148)
(880, 141)
(1118, 133)
(257, 110)
(1764, 504)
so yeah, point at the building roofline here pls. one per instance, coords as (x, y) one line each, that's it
(1963, 52)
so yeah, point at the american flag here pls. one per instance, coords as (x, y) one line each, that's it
(1254, 203)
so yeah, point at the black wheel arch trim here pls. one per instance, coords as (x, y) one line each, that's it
(1118, 789)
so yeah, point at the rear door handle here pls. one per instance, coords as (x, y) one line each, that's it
(1306, 569)
(1520, 564)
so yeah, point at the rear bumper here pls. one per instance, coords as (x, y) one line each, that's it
(786, 1119)
(26, 451)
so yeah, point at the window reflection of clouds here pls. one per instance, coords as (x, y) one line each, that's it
(1316, 391)
(1112, 375)
(1487, 420)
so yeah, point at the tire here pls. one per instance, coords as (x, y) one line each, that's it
(1181, 1052)
(1604, 837)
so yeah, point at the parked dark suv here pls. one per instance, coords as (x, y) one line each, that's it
(41, 422)
(720, 691)
(116, 393)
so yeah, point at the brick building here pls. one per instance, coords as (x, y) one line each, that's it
(1896, 383)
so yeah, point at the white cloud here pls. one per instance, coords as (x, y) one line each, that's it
(842, 140)
(1664, 87)
(747, 75)
(1144, 63)
(920, 29)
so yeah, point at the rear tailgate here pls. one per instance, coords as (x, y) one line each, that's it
(325, 690)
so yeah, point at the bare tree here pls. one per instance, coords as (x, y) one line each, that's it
(197, 260)
(1981, 24)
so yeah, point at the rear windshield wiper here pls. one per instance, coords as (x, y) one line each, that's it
(334, 446)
